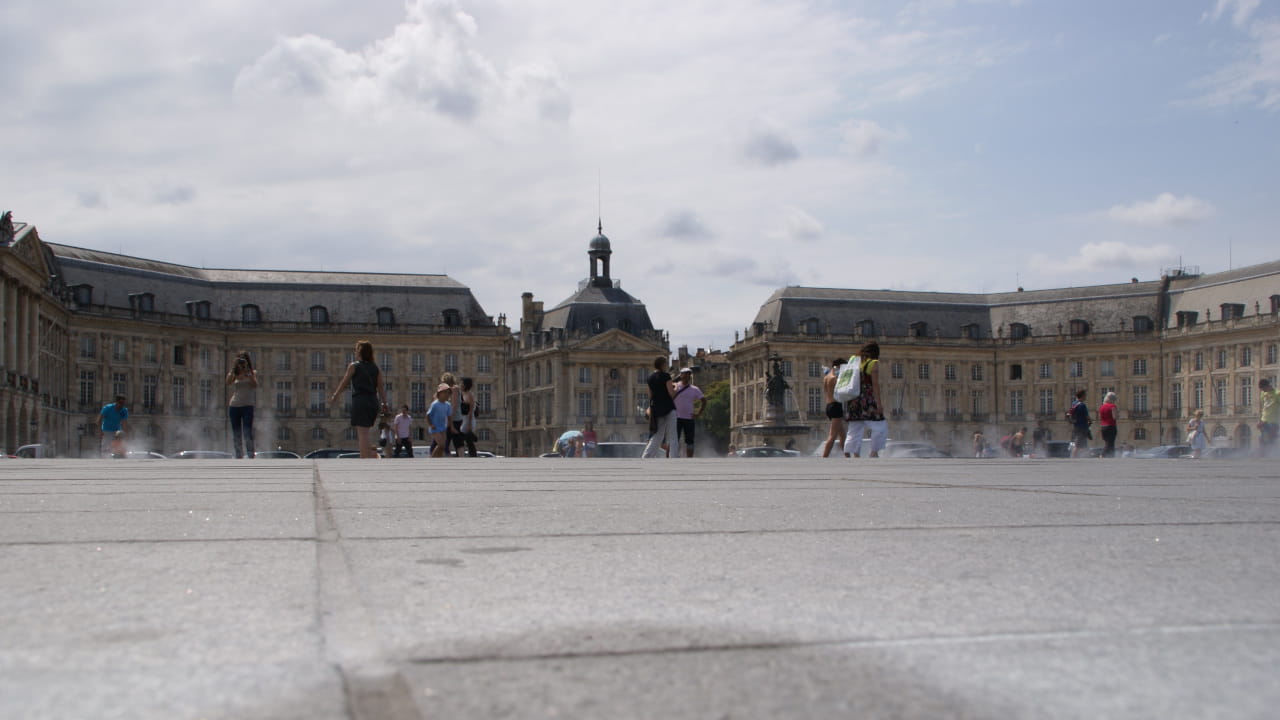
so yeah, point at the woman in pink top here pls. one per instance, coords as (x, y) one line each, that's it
(1107, 418)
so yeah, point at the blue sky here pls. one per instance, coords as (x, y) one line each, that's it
(732, 147)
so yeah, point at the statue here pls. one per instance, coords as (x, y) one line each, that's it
(775, 384)
(6, 228)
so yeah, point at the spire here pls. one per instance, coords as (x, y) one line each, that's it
(599, 253)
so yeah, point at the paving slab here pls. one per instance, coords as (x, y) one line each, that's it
(627, 588)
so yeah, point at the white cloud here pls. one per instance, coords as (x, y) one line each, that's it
(1240, 10)
(1106, 257)
(1165, 209)
(1253, 79)
(796, 225)
(865, 138)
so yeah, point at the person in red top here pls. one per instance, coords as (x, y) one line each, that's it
(1107, 418)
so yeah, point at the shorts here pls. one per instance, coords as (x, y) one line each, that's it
(1081, 436)
(835, 410)
(684, 428)
(364, 410)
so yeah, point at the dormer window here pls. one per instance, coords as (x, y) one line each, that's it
(1079, 328)
(867, 328)
(319, 316)
(972, 331)
(452, 318)
(811, 326)
(250, 315)
(1143, 324)
(597, 325)
(1187, 318)
(386, 317)
(82, 294)
(1232, 311)
(198, 309)
(919, 329)
(1019, 331)
(624, 325)
(1275, 304)
(142, 302)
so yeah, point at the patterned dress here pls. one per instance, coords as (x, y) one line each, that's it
(866, 406)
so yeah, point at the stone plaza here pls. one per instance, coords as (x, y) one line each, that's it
(717, 588)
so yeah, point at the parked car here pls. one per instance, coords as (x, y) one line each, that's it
(911, 449)
(202, 455)
(1163, 451)
(144, 455)
(619, 450)
(277, 455)
(328, 453)
(32, 451)
(766, 451)
(1222, 453)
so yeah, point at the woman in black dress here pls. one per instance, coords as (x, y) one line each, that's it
(367, 396)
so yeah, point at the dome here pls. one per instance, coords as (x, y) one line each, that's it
(600, 242)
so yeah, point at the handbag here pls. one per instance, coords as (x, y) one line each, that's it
(849, 382)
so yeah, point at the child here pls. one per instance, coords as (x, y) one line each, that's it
(118, 449)
(438, 419)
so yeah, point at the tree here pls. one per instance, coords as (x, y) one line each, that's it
(715, 418)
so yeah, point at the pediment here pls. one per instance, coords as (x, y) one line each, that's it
(619, 341)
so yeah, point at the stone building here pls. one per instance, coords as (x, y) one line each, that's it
(36, 406)
(163, 334)
(585, 360)
(953, 363)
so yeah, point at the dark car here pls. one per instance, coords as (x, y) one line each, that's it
(276, 455)
(1057, 449)
(201, 455)
(329, 453)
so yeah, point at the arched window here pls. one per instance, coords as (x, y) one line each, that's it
(1079, 327)
(597, 325)
(319, 316)
(1019, 331)
(386, 317)
(250, 315)
(452, 318)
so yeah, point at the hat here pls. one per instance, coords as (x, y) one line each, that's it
(685, 370)
(442, 387)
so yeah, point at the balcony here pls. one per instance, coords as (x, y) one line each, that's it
(1139, 414)
(927, 416)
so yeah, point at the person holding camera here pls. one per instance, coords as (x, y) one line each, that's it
(243, 380)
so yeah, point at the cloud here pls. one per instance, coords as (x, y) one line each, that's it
(797, 226)
(1166, 209)
(865, 138)
(1254, 79)
(171, 194)
(684, 225)
(768, 146)
(1240, 10)
(1104, 257)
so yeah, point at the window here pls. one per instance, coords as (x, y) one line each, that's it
(179, 394)
(951, 398)
(384, 363)
(1139, 433)
(867, 328)
(452, 318)
(1197, 361)
(786, 368)
(317, 399)
(1220, 395)
(142, 302)
(317, 361)
(150, 390)
(972, 331)
(88, 347)
(624, 325)
(1246, 357)
(949, 371)
(895, 370)
(976, 372)
(451, 363)
(815, 401)
(1186, 318)
(206, 359)
(484, 364)
(1015, 371)
(1046, 401)
(584, 375)
(150, 353)
(1273, 350)
(919, 329)
(283, 435)
(1246, 392)
(1275, 304)
(284, 397)
(1106, 368)
(1175, 397)
(597, 326)
(418, 363)
(88, 387)
(1139, 366)
(119, 384)
(1222, 359)
(350, 434)
(1140, 402)
(642, 376)
(922, 371)
(977, 402)
(1019, 331)
(1015, 402)
(250, 315)
(82, 294)
(1046, 371)
(1232, 311)
(386, 317)
(1079, 327)
(318, 433)
(179, 355)
(417, 397)
(484, 398)
(319, 316)
(198, 309)
(613, 403)
(811, 327)
(119, 350)
(1197, 395)
(1177, 364)
(1076, 369)
(815, 369)
(1143, 324)
(206, 394)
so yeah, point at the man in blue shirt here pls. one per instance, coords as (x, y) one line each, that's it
(115, 417)
(1079, 417)
(438, 419)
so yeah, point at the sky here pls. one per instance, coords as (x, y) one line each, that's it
(730, 147)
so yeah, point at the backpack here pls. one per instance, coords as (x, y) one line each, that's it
(849, 383)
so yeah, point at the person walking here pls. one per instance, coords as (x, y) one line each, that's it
(243, 380)
(115, 419)
(1195, 434)
(1078, 414)
(1269, 418)
(588, 438)
(662, 416)
(368, 399)
(401, 425)
(835, 410)
(438, 420)
(979, 444)
(687, 395)
(865, 411)
(467, 408)
(1107, 420)
(1017, 442)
